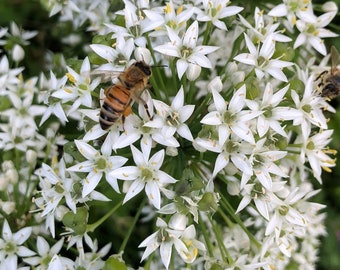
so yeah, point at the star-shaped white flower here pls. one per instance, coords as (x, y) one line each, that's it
(79, 90)
(97, 164)
(312, 30)
(11, 246)
(260, 58)
(174, 116)
(231, 118)
(214, 10)
(186, 49)
(145, 175)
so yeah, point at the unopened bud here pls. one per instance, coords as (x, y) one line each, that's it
(215, 84)
(8, 207)
(171, 151)
(142, 54)
(330, 7)
(31, 157)
(193, 71)
(18, 53)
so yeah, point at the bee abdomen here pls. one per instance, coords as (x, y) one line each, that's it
(113, 107)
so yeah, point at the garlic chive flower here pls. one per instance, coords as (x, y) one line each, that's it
(11, 246)
(98, 163)
(186, 49)
(145, 175)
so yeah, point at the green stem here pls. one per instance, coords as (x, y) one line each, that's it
(129, 232)
(207, 33)
(93, 226)
(224, 252)
(226, 205)
(199, 110)
(157, 72)
(206, 237)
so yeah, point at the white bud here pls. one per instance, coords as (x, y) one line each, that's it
(12, 176)
(3, 182)
(31, 157)
(8, 207)
(215, 84)
(18, 53)
(178, 222)
(142, 54)
(237, 77)
(61, 210)
(231, 67)
(193, 71)
(330, 7)
(171, 151)
(7, 165)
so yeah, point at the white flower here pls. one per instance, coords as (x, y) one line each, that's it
(169, 235)
(11, 246)
(271, 113)
(97, 164)
(311, 106)
(263, 161)
(231, 118)
(150, 130)
(290, 9)
(316, 151)
(174, 117)
(157, 18)
(146, 174)
(262, 29)
(260, 58)
(118, 56)
(214, 10)
(45, 253)
(186, 49)
(54, 106)
(312, 30)
(79, 91)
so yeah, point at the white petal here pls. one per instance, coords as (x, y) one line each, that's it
(220, 163)
(190, 37)
(165, 251)
(212, 118)
(90, 183)
(136, 187)
(126, 173)
(262, 207)
(106, 52)
(86, 150)
(181, 66)
(153, 193)
(246, 58)
(185, 112)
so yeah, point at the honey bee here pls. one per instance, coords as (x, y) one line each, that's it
(329, 84)
(119, 97)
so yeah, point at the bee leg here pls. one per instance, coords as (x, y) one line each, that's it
(127, 112)
(146, 107)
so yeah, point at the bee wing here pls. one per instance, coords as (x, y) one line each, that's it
(105, 75)
(335, 59)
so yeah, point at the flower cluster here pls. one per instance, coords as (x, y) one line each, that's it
(219, 153)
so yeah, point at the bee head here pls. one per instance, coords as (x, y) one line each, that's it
(144, 67)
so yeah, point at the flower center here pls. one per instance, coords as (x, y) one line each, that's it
(10, 248)
(310, 145)
(100, 164)
(228, 117)
(186, 52)
(283, 210)
(147, 174)
(307, 108)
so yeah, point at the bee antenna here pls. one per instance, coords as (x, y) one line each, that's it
(164, 66)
